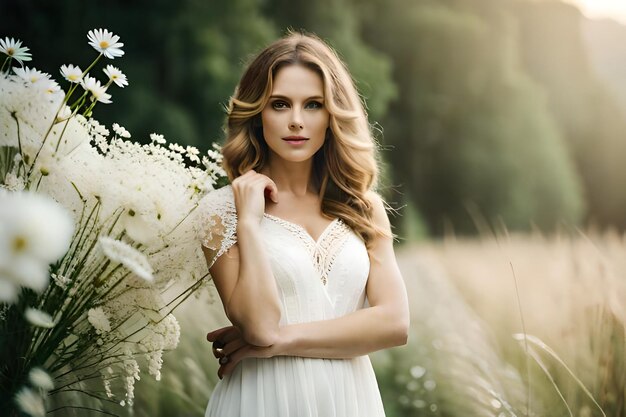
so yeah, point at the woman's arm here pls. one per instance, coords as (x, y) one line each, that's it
(384, 324)
(243, 275)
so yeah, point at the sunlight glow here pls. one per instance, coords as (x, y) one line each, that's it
(598, 9)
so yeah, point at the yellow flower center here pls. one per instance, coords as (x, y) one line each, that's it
(19, 243)
(72, 77)
(10, 51)
(104, 44)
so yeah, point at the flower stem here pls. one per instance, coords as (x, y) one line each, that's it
(7, 60)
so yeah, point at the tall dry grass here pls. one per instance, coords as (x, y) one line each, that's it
(572, 293)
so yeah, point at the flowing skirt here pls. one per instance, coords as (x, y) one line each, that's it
(288, 386)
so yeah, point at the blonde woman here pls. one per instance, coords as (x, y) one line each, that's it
(299, 245)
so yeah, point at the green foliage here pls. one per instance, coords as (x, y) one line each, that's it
(491, 111)
(183, 59)
(471, 135)
(589, 116)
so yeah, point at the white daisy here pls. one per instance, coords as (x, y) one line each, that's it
(49, 86)
(128, 256)
(14, 49)
(115, 75)
(34, 232)
(121, 131)
(72, 73)
(40, 379)
(105, 42)
(30, 402)
(98, 92)
(39, 318)
(31, 75)
(158, 138)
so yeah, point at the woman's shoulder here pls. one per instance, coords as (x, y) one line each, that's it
(379, 209)
(216, 219)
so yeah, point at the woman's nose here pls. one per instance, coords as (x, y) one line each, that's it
(296, 120)
(295, 125)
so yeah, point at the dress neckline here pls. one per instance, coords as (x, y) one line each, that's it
(300, 230)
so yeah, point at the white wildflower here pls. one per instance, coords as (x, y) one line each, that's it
(41, 379)
(34, 232)
(215, 155)
(99, 320)
(72, 73)
(49, 86)
(192, 153)
(14, 49)
(131, 369)
(176, 148)
(60, 280)
(98, 92)
(105, 42)
(39, 318)
(155, 363)
(158, 138)
(116, 76)
(31, 75)
(128, 256)
(97, 127)
(107, 387)
(121, 131)
(102, 143)
(13, 182)
(30, 402)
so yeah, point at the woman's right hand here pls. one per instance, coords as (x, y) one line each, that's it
(249, 191)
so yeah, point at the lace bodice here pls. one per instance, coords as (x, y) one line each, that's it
(317, 279)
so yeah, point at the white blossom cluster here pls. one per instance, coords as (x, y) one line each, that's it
(130, 203)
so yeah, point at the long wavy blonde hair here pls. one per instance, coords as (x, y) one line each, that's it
(345, 168)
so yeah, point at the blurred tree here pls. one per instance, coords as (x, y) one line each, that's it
(472, 135)
(589, 116)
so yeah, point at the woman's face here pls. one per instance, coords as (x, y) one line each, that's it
(295, 118)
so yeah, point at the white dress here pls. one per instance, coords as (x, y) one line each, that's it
(316, 280)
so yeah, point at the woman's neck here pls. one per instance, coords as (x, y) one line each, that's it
(292, 177)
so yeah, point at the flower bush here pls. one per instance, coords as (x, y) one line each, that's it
(97, 245)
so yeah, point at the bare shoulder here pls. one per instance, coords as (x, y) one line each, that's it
(379, 211)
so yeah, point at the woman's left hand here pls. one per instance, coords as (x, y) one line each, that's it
(230, 348)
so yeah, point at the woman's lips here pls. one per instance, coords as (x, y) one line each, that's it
(295, 140)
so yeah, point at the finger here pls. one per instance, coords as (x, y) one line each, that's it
(218, 352)
(271, 191)
(214, 335)
(233, 346)
(228, 365)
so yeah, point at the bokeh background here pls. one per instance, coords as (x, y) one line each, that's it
(502, 126)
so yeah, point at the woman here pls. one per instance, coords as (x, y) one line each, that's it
(298, 242)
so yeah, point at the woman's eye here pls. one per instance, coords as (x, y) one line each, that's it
(314, 105)
(279, 105)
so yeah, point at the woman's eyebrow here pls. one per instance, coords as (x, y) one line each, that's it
(287, 98)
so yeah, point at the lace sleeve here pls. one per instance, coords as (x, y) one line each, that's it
(216, 222)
